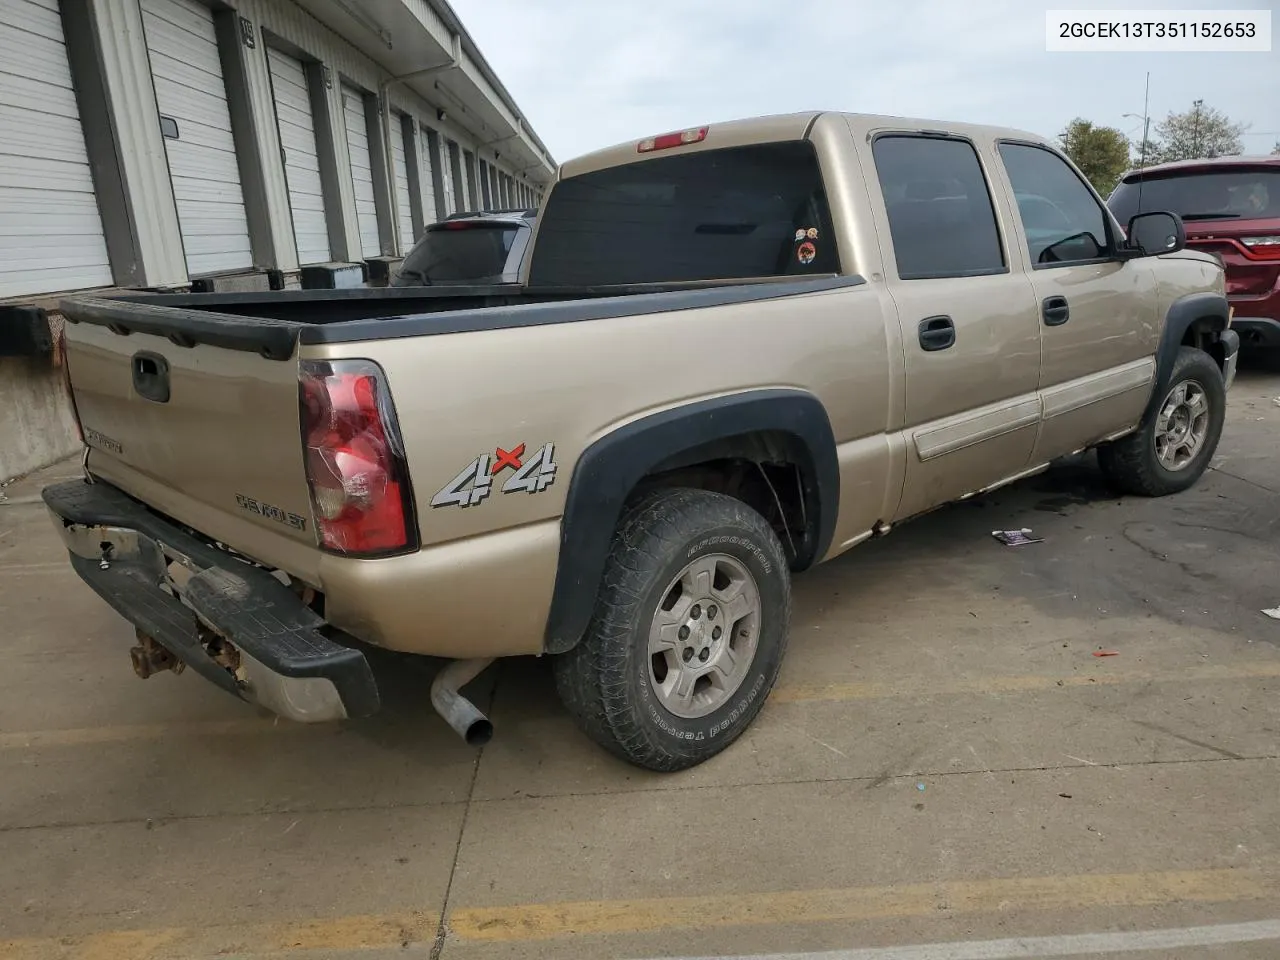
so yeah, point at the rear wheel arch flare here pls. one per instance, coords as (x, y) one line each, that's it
(611, 469)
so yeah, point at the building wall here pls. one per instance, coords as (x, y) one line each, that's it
(36, 426)
(110, 69)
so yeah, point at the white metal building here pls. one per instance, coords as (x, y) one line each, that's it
(227, 144)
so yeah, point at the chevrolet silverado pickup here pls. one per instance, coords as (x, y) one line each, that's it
(735, 351)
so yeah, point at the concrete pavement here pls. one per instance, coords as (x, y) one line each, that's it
(943, 761)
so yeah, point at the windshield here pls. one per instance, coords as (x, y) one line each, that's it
(1229, 195)
(458, 251)
(753, 211)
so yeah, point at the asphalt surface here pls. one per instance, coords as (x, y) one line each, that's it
(944, 761)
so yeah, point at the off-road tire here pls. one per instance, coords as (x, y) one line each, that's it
(1130, 464)
(604, 682)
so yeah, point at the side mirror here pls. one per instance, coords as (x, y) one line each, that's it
(1150, 234)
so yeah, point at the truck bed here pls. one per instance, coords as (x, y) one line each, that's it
(272, 324)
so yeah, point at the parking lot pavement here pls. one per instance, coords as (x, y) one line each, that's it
(943, 760)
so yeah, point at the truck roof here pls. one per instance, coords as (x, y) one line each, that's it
(778, 127)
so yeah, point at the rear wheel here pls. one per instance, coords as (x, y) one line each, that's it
(688, 633)
(1171, 452)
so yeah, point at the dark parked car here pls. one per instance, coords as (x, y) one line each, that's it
(472, 247)
(1231, 208)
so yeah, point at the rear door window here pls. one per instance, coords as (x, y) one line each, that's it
(458, 251)
(735, 213)
(940, 213)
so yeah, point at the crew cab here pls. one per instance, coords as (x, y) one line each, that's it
(736, 351)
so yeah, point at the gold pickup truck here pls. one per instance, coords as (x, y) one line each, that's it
(735, 351)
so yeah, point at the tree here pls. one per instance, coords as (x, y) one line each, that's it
(1101, 153)
(1199, 132)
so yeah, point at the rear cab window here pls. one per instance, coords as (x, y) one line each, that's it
(732, 213)
(459, 251)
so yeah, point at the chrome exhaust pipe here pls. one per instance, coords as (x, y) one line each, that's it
(459, 712)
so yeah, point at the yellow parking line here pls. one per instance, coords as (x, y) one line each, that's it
(112, 945)
(542, 921)
(262, 939)
(856, 690)
(350, 933)
(549, 920)
(787, 693)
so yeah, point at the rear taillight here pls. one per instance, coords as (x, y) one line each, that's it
(1263, 248)
(355, 459)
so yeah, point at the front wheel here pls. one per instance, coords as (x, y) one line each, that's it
(688, 633)
(1171, 451)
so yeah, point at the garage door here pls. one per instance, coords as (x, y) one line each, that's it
(50, 231)
(361, 170)
(404, 208)
(430, 170)
(301, 162)
(486, 195)
(472, 191)
(452, 182)
(192, 99)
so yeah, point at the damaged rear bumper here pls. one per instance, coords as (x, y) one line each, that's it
(200, 603)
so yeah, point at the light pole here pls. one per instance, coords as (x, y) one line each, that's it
(1146, 124)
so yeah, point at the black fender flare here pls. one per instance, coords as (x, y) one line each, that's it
(1182, 313)
(609, 469)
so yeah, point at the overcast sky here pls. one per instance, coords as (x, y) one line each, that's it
(590, 73)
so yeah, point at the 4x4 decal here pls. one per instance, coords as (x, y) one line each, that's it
(475, 482)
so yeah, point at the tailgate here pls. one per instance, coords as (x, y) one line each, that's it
(206, 433)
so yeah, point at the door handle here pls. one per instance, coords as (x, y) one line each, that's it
(1055, 311)
(937, 333)
(151, 376)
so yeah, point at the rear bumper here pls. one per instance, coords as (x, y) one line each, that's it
(193, 599)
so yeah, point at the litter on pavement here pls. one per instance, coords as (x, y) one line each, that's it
(1016, 538)
(1273, 613)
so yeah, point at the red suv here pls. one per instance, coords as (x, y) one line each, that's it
(1231, 208)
